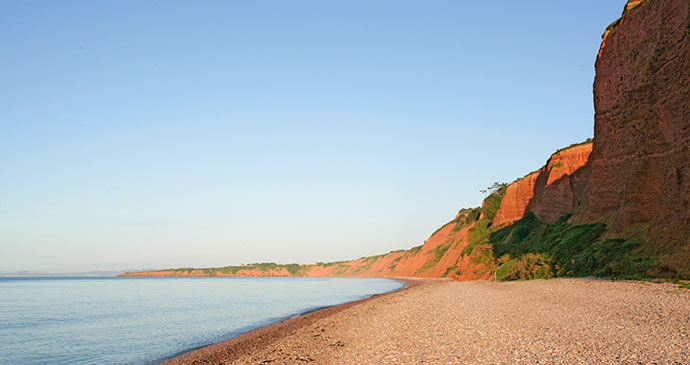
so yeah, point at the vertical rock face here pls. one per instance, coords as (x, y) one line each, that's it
(516, 200)
(549, 192)
(640, 164)
(561, 183)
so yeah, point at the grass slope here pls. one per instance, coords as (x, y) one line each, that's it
(531, 249)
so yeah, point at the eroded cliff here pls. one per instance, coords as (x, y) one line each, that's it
(551, 191)
(640, 162)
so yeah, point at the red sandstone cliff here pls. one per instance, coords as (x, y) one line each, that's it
(549, 192)
(640, 163)
(636, 175)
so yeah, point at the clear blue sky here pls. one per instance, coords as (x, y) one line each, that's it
(154, 134)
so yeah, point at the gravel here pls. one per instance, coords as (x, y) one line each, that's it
(448, 322)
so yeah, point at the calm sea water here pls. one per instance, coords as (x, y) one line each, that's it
(145, 320)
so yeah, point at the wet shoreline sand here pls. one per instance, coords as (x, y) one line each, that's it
(442, 321)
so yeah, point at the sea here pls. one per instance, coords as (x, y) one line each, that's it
(110, 320)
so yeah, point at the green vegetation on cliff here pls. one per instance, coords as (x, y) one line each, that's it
(293, 269)
(466, 217)
(586, 141)
(531, 249)
(478, 249)
(438, 252)
(479, 233)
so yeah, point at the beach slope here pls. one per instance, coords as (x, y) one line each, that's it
(440, 321)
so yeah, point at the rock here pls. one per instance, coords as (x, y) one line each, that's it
(549, 192)
(640, 163)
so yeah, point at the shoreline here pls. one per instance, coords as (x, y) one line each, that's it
(261, 337)
(573, 320)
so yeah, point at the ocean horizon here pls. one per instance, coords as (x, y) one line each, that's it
(95, 320)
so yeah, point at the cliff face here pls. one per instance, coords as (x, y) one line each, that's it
(549, 192)
(635, 177)
(560, 183)
(518, 196)
(640, 163)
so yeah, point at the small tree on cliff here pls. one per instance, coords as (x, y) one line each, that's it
(497, 187)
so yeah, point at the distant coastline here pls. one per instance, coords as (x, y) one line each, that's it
(30, 274)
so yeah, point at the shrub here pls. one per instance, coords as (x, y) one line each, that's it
(529, 266)
(466, 217)
(482, 254)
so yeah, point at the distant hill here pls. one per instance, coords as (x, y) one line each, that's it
(64, 274)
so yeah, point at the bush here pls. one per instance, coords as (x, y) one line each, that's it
(466, 217)
(526, 267)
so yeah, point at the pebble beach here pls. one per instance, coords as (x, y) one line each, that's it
(439, 321)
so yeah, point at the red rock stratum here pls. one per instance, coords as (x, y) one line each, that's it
(640, 162)
(549, 192)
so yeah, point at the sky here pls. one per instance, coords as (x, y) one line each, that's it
(158, 134)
